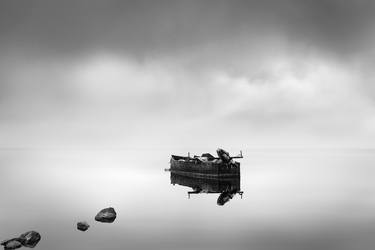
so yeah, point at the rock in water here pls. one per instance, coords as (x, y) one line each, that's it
(4, 242)
(107, 215)
(83, 226)
(30, 239)
(12, 244)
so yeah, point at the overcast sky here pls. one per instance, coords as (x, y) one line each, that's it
(187, 73)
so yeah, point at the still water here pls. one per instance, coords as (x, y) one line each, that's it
(292, 199)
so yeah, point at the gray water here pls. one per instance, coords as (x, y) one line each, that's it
(293, 199)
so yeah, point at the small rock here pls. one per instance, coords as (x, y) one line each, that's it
(107, 215)
(11, 244)
(4, 242)
(30, 239)
(83, 226)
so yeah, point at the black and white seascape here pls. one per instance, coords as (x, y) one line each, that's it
(187, 124)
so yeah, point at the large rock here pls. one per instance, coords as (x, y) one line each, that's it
(11, 244)
(30, 239)
(83, 226)
(107, 215)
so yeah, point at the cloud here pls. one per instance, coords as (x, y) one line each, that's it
(146, 28)
(106, 76)
(183, 68)
(143, 101)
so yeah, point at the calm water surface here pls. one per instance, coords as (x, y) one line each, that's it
(293, 199)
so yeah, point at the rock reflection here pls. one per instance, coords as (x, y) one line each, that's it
(226, 187)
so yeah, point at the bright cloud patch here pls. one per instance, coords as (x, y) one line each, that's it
(110, 77)
(122, 100)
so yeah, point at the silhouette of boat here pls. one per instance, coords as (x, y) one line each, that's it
(206, 165)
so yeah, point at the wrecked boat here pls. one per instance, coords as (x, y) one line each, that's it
(206, 165)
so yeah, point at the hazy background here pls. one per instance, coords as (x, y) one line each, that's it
(187, 73)
(96, 95)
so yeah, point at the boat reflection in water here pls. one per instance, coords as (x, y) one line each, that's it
(226, 187)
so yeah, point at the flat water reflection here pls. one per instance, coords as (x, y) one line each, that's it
(292, 200)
